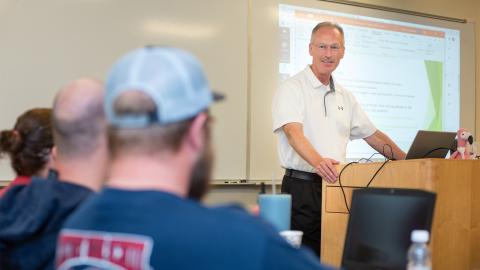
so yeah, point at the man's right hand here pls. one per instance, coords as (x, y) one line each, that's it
(326, 169)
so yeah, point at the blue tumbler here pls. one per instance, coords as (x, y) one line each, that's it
(276, 209)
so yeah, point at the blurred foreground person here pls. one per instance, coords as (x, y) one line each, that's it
(157, 101)
(29, 146)
(31, 217)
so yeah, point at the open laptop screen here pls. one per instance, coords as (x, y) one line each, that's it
(381, 221)
(431, 144)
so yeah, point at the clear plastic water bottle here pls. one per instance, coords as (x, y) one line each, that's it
(419, 257)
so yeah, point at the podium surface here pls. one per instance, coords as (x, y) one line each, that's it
(455, 239)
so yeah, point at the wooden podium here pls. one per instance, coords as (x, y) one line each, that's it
(455, 240)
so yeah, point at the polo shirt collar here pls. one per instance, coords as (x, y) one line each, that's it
(312, 78)
(315, 82)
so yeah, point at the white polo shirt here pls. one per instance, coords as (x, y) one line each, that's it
(301, 99)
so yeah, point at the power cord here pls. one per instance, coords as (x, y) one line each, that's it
(373, 177)
(436, 149)
(369, 159)
(384, 163)
(379, 169)
(341, 186)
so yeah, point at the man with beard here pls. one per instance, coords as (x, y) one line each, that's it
(157, 107)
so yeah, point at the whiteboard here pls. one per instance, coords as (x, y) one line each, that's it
(47, 43)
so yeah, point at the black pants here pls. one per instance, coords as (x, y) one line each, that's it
(306, 209)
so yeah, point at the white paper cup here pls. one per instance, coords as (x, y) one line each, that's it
(293, 237)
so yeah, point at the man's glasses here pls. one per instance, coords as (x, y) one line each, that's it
(334, 47)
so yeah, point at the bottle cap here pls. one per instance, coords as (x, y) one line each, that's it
(419, 236)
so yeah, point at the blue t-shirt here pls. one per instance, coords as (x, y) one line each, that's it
(157, 230)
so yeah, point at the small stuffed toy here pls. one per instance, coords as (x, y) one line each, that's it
(464, 145)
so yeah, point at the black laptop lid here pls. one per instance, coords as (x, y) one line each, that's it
(431, 144)
(380, 223)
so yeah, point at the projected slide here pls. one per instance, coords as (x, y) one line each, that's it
(405, 76)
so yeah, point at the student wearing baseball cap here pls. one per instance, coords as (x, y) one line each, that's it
(148, 216)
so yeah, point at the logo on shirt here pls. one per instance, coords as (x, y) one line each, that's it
(340, 108)
(78, 249)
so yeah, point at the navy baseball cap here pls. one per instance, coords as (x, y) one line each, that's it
(171, 77)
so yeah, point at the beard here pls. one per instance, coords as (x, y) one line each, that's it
(201, 174)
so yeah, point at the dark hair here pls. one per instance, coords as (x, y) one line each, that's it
(29, 143)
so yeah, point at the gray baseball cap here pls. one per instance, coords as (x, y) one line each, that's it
(171, 77)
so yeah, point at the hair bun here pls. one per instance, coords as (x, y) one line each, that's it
(10, 141)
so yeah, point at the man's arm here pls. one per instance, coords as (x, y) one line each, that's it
(323, 166)
(384, 145)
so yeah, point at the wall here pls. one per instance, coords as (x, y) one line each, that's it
(47, 43)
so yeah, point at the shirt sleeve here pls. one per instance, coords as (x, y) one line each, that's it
(361, 126)
(288, 105)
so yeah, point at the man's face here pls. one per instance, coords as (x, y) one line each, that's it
(202, 170)
(326, 49)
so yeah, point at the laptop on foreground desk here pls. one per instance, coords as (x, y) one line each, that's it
(379, 227)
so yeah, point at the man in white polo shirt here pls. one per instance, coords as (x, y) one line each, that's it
(314, 117)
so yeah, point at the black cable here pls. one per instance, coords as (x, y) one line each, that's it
(384, 163)
(369, 159)
(369, 182)
(341, 186)
(364, 160)
(373, 177)
(436, 149)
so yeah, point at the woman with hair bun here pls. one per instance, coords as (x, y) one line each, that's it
(29, 146)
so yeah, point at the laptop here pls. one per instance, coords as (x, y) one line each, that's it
(379, 227)
(431, 144)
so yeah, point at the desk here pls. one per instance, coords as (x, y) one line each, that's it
(455, 240)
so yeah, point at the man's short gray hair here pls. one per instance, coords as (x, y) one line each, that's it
(327, 24)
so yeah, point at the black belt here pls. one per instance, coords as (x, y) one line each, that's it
(303, 175)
